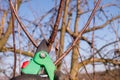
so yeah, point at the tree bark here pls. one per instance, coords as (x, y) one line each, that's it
(74, 63)
(74, 66)
(63, 30)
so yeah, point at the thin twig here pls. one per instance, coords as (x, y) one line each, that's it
(21, 24)
(84, 65)
(80, 34)
(93, 37)
(93, 50)
(19, 38)
(103, 48)
(15, 57)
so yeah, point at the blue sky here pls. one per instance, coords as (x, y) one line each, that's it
(35, 8)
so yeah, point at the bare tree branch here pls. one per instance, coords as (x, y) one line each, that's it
(63, 29)
(14, 44)
(98, 51)
(84, 65)
(4, 39)
(103, 25)
(22, 25)
(26, 53)
(55, 29)
(89, 61)
(95, 27)
(80, 34)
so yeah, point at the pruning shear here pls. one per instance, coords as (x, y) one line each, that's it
(40, 60)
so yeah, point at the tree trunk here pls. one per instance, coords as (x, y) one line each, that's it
(74, 63)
